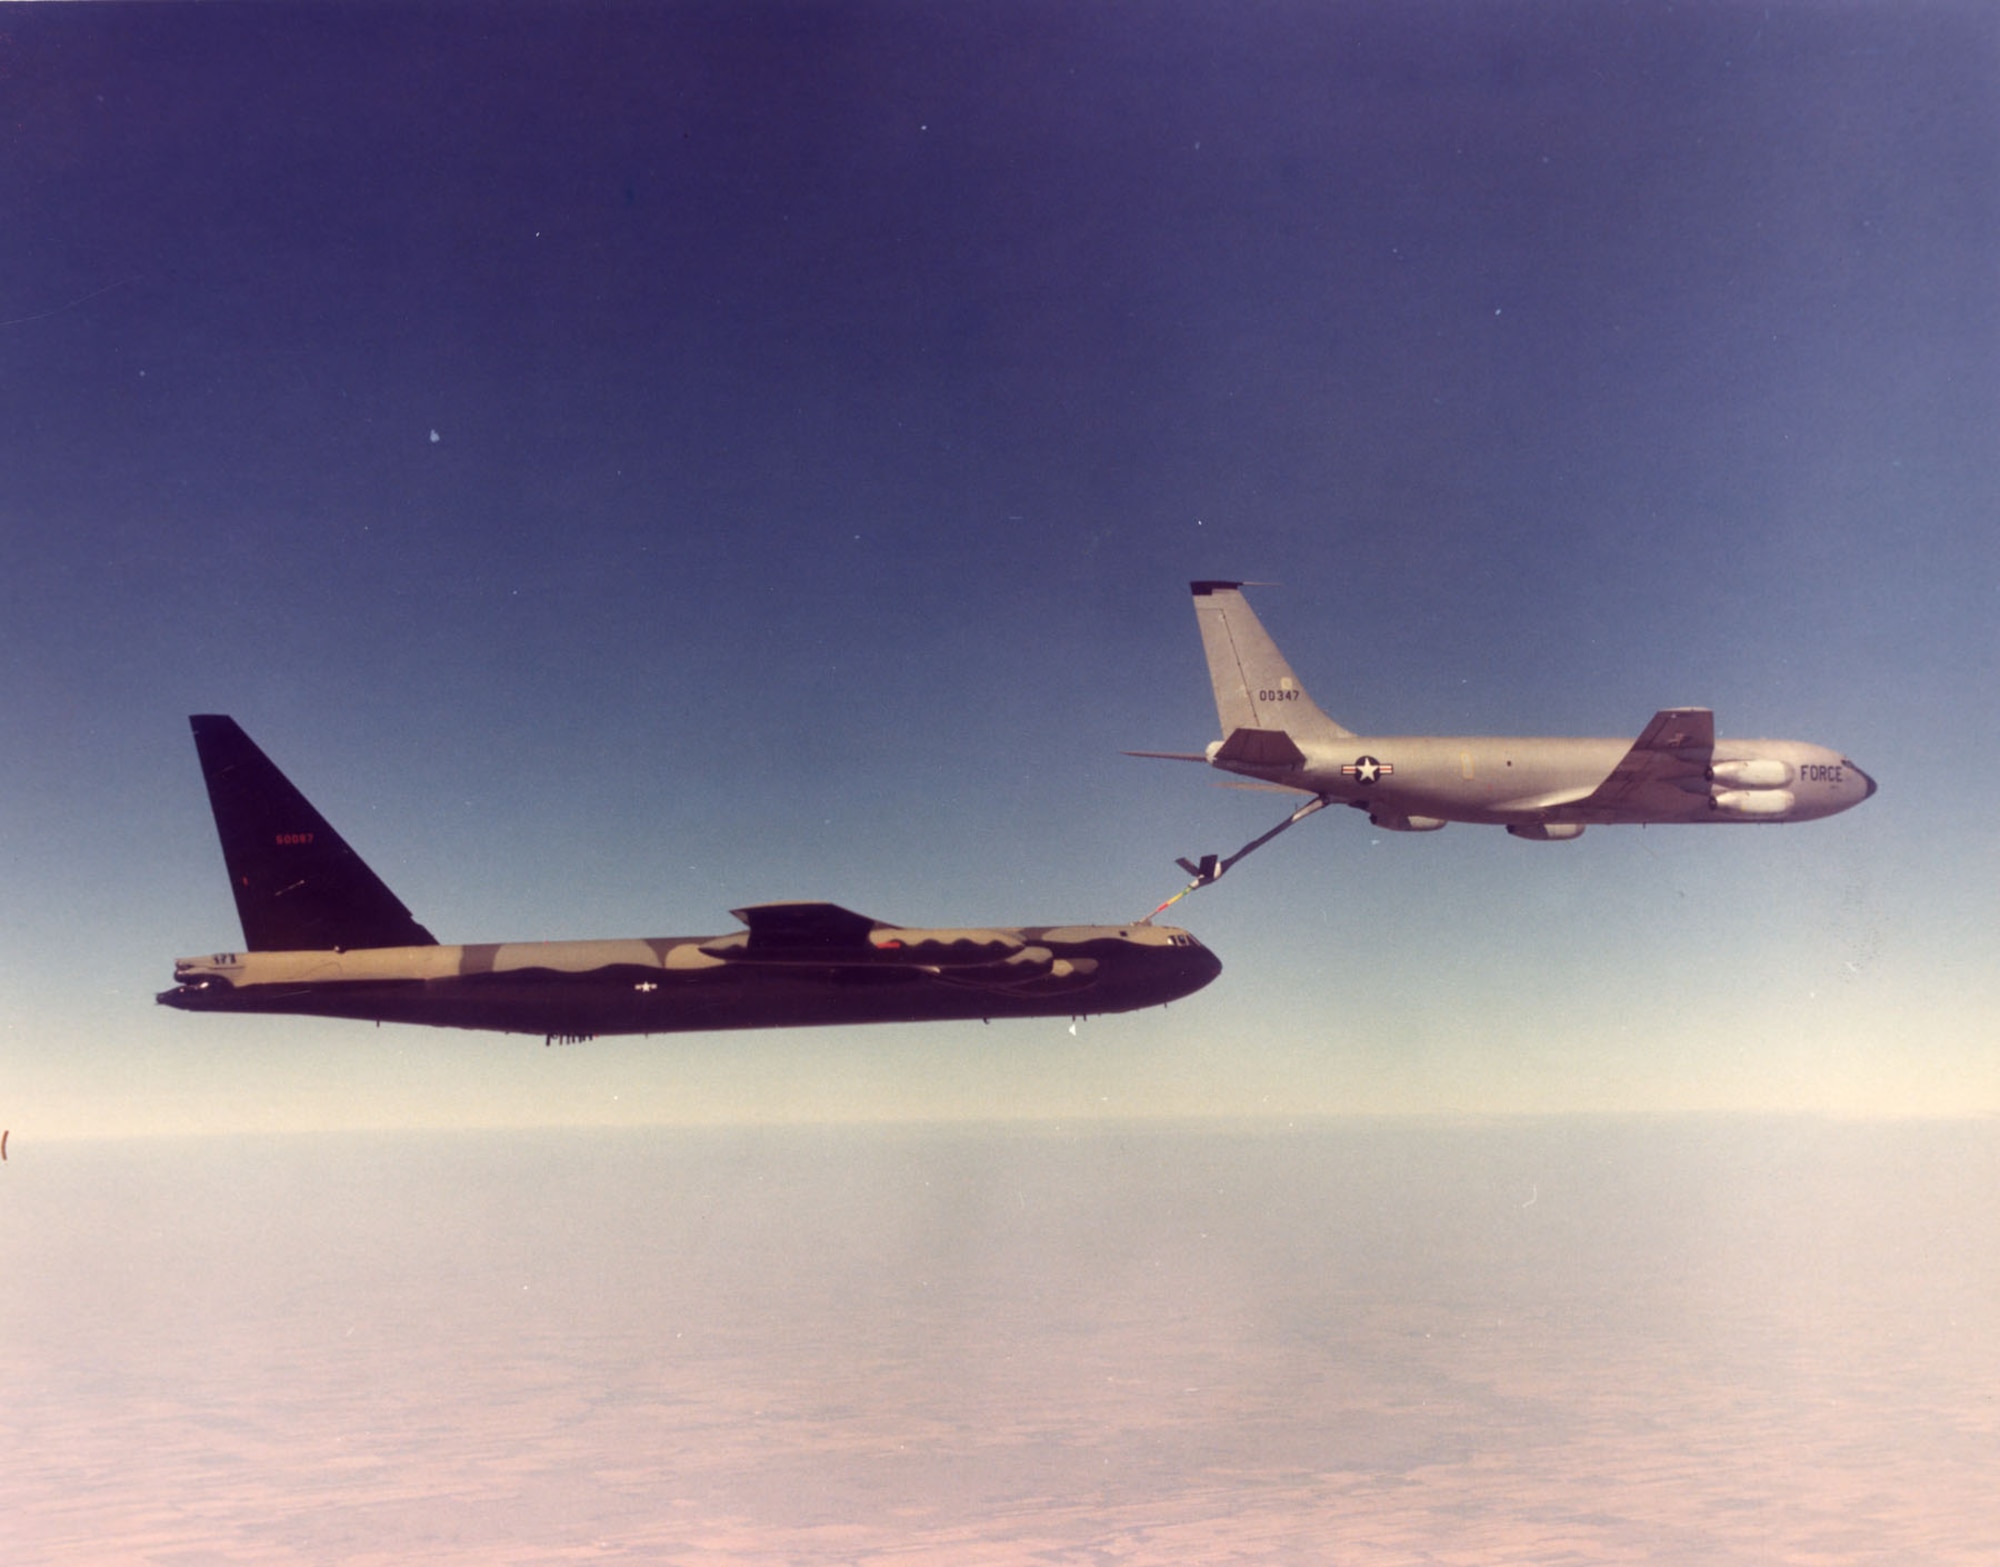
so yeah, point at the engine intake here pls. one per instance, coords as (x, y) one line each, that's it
(1752, 802)
(1753, 773)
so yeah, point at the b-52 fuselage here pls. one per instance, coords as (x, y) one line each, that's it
(325, 937)
(1539, 789)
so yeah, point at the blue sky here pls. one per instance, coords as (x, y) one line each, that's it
(628, 463)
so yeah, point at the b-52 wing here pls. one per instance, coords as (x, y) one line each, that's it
(829, 939)
(824, 935)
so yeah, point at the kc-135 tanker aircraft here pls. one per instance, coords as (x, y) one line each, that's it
(323, 936)
(1540, 789)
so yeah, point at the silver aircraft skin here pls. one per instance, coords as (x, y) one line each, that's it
(323, 936)
(1541, 789)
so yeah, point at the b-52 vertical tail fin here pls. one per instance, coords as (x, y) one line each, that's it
(1255, 688)
(298, 886)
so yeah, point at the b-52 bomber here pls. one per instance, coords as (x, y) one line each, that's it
(1545, 790)
(325, 937)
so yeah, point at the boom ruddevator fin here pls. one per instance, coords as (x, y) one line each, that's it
(298, 886)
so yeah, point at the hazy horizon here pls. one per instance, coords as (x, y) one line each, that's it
(1039, 1123)
(1750, 1341)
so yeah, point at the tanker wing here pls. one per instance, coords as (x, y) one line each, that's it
(1672, 752)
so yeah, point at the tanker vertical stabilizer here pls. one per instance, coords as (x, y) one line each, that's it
(1255, 688)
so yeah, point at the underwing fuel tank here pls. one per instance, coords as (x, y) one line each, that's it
(1395, 821)
(1546, 832)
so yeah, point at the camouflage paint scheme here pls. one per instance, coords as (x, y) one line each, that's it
(325, 937)
(1537, 788)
